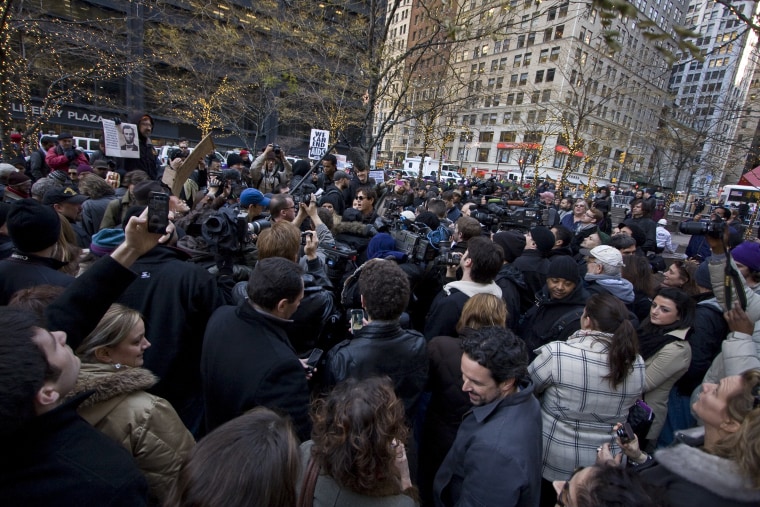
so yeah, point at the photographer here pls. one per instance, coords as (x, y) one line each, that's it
(270, 169)
(63, 155)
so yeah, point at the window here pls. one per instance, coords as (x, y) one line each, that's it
(519, 98)
(539, 76)
(543, 56)
(523, 79)
(548, 34)
(534, 96)
(485, 137)
(494, 65)
(559, 31)
(520, 41)
(499, 82)
(507, 136)
(531, 116)
(484, 119)
(563, 9)
(518, 61)
(550, 75)
(503, 63)
(551, 15)
(533, 137)
(531, 38)
(483, 154)
(510, 99)
(554, 54)
(526, 59)
(513, 80)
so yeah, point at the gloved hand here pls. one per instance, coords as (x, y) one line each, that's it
(71, 153)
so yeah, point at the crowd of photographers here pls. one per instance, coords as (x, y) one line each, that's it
(514, 333)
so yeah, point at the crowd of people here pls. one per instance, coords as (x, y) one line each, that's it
(315, 337)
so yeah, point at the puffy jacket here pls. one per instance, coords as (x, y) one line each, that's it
(383, 348)
(56, 159)
(146, 425)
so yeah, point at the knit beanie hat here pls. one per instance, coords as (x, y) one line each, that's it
(702, 276)
(17, 178)
(105, 241)
(512, 242)
(564, 266)
(747, 253)
(33, 226)
(59, 176)
(543, 237)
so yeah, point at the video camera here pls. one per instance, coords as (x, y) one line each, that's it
(713, 229)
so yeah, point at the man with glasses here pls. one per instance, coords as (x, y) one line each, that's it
(282, 208)
(496, 457)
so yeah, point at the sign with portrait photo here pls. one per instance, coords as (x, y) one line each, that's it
(121, 139)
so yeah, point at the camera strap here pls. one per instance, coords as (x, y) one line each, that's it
(733, 279)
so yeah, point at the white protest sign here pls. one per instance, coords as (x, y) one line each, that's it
(318, 143)
(121, 139)
(342, 161)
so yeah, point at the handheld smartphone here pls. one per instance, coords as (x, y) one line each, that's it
(305, 235)
(158, 212)
(357, 317)
(626, 433)
(314, 357)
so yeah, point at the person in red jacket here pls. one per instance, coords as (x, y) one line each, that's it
(63, 155)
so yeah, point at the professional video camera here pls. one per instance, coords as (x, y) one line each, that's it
(224, 231)
(499, 216)
(714, 229)
(446, 257)
(337, 258)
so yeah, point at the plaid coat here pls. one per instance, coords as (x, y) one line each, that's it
(578, 406)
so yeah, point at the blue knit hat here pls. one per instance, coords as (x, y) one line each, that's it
(105, 241)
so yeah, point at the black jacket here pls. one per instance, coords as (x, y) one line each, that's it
(512, 284)
(21, 271)
(650, 231)
(248, 362)
(705, 338)
(176, 299)
(59, 459)
(534, 267)
(552, 319)
(383, 348)
(334, 196)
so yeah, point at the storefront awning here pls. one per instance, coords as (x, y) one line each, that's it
(564, 149)
(518, 146)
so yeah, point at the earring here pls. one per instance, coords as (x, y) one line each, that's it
(117, 366)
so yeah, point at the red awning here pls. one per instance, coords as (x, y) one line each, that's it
(506, 146)
(564, 149)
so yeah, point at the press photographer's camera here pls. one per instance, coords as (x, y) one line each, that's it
(277, 149)
(714, 229)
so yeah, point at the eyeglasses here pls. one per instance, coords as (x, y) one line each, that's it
(564, 496)
(361, 197)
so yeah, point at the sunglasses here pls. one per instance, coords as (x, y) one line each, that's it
(361, 197)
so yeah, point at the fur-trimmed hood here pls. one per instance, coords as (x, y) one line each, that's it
(353, 228)
(718, 475)
(107, 382)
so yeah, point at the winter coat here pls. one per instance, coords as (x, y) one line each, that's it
(383, 348)
(248, 362)
(57, 458)
(511, 282)
(690, 477)
(266, 181)
(146, 425)
(57, 160)
(552, 319)
(448, 304)
(496, 457)
(329, 493)
(21, 271)
(176, 299)
(579, 405)
(607, 284)
(649, 227)
(115, 211)
(663, 369)
(534, 267)
(447, 407)
(93, 211)
(334, 196)
(705, 338)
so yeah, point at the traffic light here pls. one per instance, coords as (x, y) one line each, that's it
(622, 158)
(521, 162)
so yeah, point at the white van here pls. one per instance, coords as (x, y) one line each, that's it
(734, 195)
